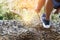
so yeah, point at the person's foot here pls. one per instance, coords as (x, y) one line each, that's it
(46, 23)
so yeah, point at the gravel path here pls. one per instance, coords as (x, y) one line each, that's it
(14, 30)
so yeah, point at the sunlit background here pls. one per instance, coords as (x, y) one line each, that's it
(19, 4)
(19, 10)
(22, 10)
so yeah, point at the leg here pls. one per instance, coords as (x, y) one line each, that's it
(48, 9)
(40, 5)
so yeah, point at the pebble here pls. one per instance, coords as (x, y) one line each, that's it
(12, 28)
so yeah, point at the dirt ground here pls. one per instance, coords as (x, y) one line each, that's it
(34, 34)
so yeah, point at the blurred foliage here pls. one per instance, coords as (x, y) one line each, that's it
(5, 5)
(5, 13)
(20, 4)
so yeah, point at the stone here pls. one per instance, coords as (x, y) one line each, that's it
(19, 32)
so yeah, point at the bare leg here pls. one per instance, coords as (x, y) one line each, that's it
(40, 5)
(58, 10)
(48, 9)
